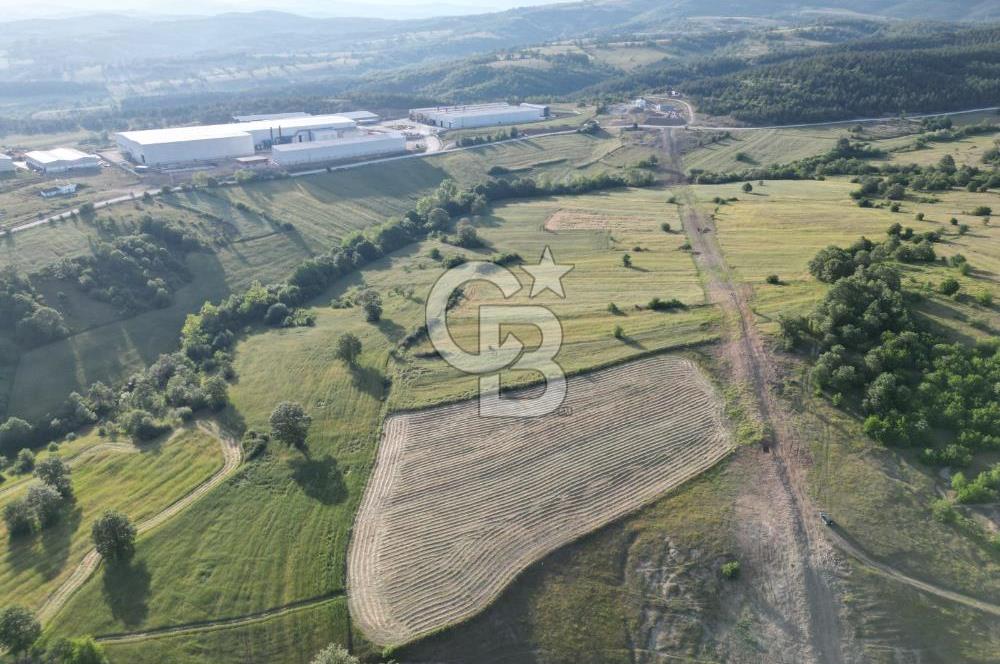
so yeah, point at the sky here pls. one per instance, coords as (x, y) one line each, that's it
(16, 9)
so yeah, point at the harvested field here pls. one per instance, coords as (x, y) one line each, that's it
(582, 220)
(459, 505)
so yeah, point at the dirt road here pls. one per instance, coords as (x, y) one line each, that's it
(807, 601)
(232, 455)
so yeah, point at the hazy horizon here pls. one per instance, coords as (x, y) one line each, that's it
(401, 9)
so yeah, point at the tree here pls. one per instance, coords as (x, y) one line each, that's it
(54, 472)
(371, 304)
(438, 218)
(45, 503)
(731, 570)
(114, 536)
(19, 517)
(276, 313)
(626, 260)
(348, 348)
(334, 654)
(19, 629)
(747, 187)
(949, 286)
(290, 424)
(14, 433)
(665, 227)
(25, 462)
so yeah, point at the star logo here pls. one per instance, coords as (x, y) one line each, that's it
(547, 275)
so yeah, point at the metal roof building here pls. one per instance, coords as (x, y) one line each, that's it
(270, 116)
(6, 164)
(60, 160)
(362, 117)
(351, 146)
(479, 115)
(182, 145)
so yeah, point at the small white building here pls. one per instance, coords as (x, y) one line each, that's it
(479, 115)
(185, 145)
(60, 160)
(6, 164)
(61, 190)
(350, 146)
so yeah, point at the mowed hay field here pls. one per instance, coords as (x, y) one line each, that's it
(137, 480)
(779, 227)
(458, 504)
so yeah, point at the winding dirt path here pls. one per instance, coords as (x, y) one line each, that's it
(232, 455)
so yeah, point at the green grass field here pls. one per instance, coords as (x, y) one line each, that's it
(21, 202)
(965, 152)
(139, 483)
(761, 147)
(779, 227)
(292, 638)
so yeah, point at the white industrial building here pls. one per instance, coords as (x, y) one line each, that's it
(479, 115)
(6, 164)
(183, 145)
(270, 116)
(60, 160)
(351, 145)
(362, 117)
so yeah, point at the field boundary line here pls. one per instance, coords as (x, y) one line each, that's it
(222, 623)
(232, 456)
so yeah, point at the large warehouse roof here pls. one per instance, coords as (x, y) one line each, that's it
(203, 132)
(56, 155)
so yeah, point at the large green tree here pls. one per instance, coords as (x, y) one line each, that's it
(18, 629)
(290, 424)
(114, 536)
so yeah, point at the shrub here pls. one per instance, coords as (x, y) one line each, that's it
(747, 187)
(731, 570)
(434, 254)
(665, 227)
(55, 473)
(985, 298)
(949, 286)
(773, 279)
(613, 309)
(982, 211)
(626, 260)
(943, 511)
(348, 348)
(619, 332)
(656, 304)
(254, 444)
(334, 654)
(920, 216)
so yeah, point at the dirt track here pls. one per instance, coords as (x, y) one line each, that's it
(777, 509)
(232, 455)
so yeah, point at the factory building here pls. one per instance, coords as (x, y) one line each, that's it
(184, 145)
(270, 116)
(60, 160)
(479, 115)
(6, 164)
(349, 146)
(362, 117)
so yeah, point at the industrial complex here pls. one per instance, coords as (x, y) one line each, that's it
(479, 115)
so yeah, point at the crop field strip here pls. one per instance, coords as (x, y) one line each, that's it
(420, 557)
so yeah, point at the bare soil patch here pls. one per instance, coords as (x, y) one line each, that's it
(459, 505)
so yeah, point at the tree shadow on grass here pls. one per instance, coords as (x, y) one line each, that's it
(126, 591)
(56, 540)
(369, 380)
(320, 479)
(392, 330)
